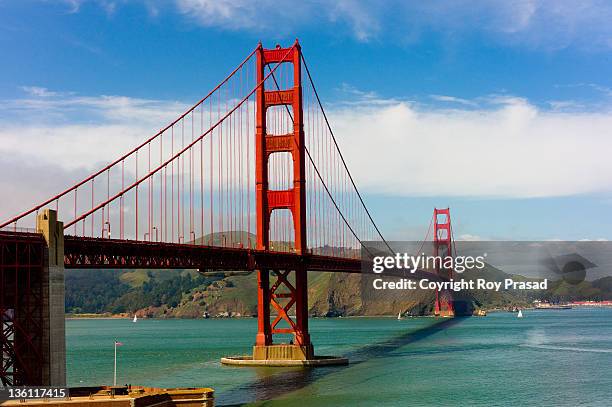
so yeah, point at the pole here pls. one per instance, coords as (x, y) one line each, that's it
(115, 369)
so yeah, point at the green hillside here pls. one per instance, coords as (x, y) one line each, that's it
(189, 294)
(111, 291)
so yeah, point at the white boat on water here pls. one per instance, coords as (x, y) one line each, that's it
(520, 314)
(135, 319)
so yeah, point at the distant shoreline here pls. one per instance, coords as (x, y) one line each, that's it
(494, 310)
(103, 316)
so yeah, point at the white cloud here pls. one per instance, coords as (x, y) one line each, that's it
(470, 238)
(352, 96)
(72, 147)
(452, 99)
(52, 139)
(27, 181)
(73, 5)
(241, 14)
(38, 91)
(549, 24)
(44, 106)
(361, 17)
(565, 105)
(512, 150)
(109, 6)
(506, 148)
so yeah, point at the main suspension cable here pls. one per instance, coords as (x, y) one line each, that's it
(342, 157)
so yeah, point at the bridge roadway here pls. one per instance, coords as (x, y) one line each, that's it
(100, 253)
(97, 253)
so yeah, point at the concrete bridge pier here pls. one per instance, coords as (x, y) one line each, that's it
(54, 325)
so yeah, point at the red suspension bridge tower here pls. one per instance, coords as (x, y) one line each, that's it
(443, 248)
(282, 295)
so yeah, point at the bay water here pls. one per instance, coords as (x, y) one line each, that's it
(547, 358)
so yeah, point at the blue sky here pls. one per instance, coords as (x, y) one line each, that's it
(518, 91)
(150, 52)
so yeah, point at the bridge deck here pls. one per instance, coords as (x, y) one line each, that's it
(82, 252)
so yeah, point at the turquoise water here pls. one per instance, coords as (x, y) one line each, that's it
(548, 358)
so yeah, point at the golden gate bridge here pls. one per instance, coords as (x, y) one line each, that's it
(251, 177)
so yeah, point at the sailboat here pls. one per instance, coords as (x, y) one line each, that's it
(520, 314)
(399, 315)
(135, 319)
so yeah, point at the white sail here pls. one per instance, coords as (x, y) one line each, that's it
(135, 319)
(520, 314)
(399, 315)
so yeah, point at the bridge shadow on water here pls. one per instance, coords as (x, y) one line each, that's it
(275, 382)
